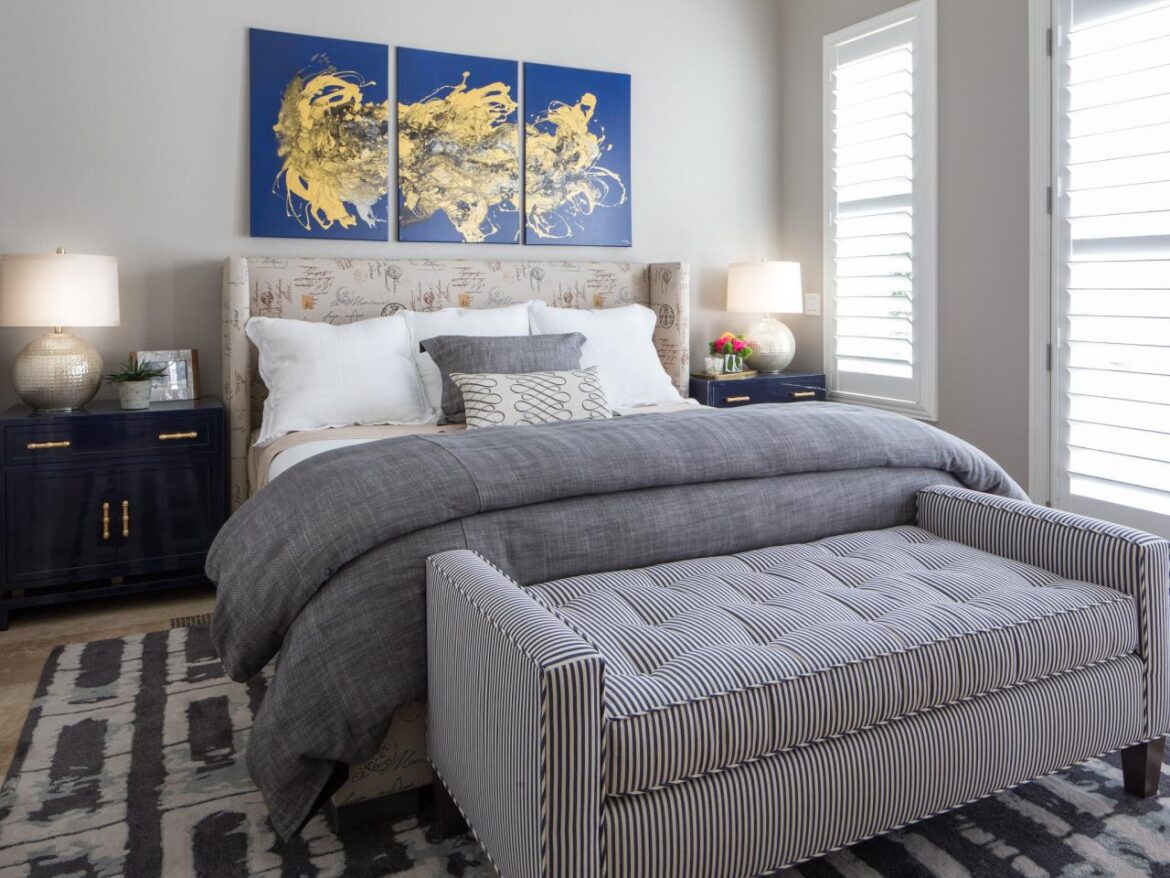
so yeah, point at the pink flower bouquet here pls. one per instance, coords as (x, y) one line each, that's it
(730, 343)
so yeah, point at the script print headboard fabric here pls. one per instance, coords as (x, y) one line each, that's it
(345, 290)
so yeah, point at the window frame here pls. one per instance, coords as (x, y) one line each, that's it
(924, 405)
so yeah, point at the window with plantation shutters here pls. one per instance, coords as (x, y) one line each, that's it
(1112, 259)
(879, 238)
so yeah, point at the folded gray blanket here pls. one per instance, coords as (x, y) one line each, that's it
(327, 564)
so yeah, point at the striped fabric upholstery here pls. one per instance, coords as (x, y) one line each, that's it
(1129, 561)
(514, 720)
(773, 812)
(713, 662)
(729, 716)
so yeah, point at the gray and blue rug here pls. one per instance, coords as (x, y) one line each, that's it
(131, 763)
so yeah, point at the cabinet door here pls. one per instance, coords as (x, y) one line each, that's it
(55, 525)
(165, 515)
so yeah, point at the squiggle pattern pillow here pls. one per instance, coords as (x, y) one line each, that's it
(497, 400)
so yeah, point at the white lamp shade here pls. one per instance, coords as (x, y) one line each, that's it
(58, 289)
(764, 288)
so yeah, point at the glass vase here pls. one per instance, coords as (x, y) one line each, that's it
(732, 363)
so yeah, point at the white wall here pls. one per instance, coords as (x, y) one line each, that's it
(983, 204)
(124, 132)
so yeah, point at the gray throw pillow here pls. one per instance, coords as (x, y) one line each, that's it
(501, 354)
(532, 398)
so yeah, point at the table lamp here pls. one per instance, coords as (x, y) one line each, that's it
(58, 371)
(766, 288)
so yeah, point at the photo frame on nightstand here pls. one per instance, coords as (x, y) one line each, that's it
(180, 378)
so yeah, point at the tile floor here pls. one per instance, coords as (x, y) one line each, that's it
(34, 632)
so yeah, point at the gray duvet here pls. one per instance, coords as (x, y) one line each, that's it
(326, 565)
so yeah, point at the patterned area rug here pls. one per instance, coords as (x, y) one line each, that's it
(131, 763)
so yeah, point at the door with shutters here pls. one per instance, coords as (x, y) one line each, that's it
(1111, 260)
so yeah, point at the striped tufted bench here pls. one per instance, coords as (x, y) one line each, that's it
(731, 715)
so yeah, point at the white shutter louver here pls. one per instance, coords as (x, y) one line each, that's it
(879, 211)
(1113, 267)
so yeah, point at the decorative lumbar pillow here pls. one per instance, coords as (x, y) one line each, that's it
(498, 354)
(505, 320)
(320, 375)
(619, 343)
(502, 400)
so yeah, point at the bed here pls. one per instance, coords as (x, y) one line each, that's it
(325, 566)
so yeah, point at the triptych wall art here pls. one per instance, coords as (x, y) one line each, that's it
(458, 148)
(320, 146)
(320, 137)
(576, 156)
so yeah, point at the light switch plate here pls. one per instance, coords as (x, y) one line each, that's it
(812, 303)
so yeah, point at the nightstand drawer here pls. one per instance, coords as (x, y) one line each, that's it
(66, 440)
(756, 392)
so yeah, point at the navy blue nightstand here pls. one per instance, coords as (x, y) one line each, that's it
(723, 393)
(101, 502)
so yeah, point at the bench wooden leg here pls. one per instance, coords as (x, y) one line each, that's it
(447, 820)
(1141, 765)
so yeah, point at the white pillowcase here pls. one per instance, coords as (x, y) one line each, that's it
(505, 320)
(619, 342)
(319, 375)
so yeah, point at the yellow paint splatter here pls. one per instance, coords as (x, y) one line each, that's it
(564, 177)
(336, 150)
(458, 154)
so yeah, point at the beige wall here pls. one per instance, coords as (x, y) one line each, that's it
(130, 139)
(983, 204)
(125, 133)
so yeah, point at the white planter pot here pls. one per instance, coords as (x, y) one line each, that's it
(134, 394)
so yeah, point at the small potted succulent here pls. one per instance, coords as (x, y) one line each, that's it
(133, 380)
(733, 348)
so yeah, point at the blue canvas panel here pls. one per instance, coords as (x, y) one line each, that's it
(458, 148)
(576, 156)
(320, 137)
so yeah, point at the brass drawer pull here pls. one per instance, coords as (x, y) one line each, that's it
(193, 434)
(738, 399)
(125, 518)
(106, 520)
(804, 394)
(38, 446)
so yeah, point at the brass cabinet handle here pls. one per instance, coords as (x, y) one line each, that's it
(38, 446)
(106, 520)
(804, 394)
(193, 434)
(125, 518)
(737, 399)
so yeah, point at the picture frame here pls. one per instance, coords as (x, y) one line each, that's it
(180, 381)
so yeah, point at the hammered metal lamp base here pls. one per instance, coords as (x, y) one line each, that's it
(57, 372)
(772, 344)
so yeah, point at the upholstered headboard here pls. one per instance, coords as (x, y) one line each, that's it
(345, 290)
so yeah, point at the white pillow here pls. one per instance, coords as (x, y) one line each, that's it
(319, 375)
(618, 342)
(505, 320)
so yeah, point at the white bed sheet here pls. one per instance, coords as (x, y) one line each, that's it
(287, 459)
